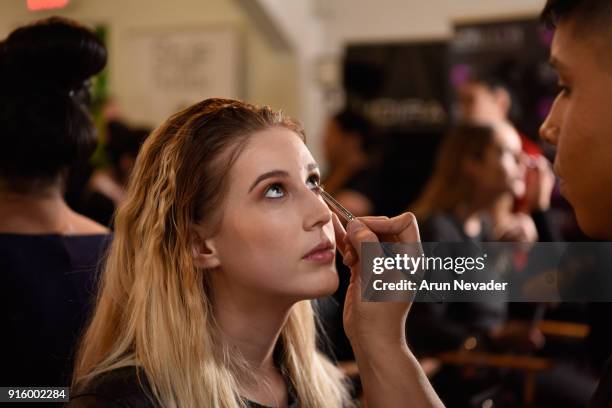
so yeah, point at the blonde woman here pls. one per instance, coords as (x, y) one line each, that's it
(220, 245)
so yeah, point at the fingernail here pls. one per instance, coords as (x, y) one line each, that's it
(354, 226)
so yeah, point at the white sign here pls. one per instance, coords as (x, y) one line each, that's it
(173, 69)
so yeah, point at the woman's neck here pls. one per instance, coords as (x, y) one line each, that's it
(42, 212)
(251, 326)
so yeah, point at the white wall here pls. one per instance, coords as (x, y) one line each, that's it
(298, 23)
(270, 70)
(388, 20)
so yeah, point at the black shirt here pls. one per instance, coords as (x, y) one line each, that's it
(603, 395)
(128, 387)
(434, 327)
(47, 286)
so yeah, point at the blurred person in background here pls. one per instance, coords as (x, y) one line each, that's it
(350, 151)
(48, 253)
(107, 186)
(519, 215)
(476, 166)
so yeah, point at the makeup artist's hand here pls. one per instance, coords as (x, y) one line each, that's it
(373, 324)
(388, 370)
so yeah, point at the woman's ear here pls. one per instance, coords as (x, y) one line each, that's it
(203, 248)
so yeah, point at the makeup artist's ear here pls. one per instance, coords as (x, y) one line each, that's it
(203, 248)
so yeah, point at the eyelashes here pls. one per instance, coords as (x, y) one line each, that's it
(278, 190)
(317, 180)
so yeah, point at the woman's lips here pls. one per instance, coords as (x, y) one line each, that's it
(324, 252)
(323, 256)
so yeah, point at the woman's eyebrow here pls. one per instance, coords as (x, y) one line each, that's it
(279, 173)
(267, 175)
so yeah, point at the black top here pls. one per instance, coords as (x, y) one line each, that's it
(603, 395)
(98, 207)
(47, 283)
(128, 387)
(434, 327)
(365, 182)
(445, 227)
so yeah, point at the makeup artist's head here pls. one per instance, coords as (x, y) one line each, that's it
(580, 120)
(222, 209)
(476, 165)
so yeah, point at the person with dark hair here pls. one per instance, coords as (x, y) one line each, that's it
(475, 165)
(48, 252)
(518, 216)
(106, 187)
(484, 98)
(350, 150)
(349, 146)
(579, 124)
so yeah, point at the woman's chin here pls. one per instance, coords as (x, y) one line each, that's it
(324, 284)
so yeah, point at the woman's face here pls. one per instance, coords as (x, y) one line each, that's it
(478, 103)
(501, 169)
(273, 219)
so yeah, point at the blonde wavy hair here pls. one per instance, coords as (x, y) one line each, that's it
(153, 309)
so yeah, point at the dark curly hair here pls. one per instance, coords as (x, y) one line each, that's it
(45, 125)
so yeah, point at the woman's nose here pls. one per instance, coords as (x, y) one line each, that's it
(317, 213)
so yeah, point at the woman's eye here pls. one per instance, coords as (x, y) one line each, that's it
(274, 191)
(314, 181)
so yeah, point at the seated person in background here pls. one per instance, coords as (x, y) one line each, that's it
(475, 166)
(519, 215)
(350, 151)
(106, 187)
(48, 253)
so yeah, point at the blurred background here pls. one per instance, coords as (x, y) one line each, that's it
(302, 56)
(381, 88)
